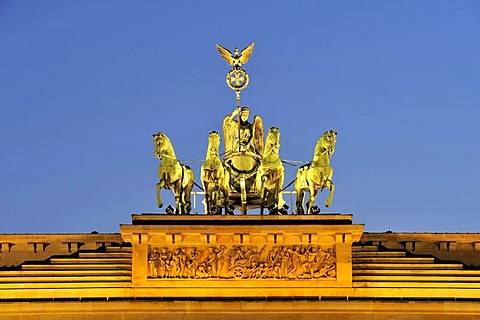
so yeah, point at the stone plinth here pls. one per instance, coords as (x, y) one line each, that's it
(242, 256)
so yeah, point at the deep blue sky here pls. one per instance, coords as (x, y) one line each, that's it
(84, 84)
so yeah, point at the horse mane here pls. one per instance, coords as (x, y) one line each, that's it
(271, 137)
(318, 146)
(164, 136)
(213, 143)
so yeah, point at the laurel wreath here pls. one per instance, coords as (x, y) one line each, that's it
(231, 81)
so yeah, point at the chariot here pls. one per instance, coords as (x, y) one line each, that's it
(243, 150)
(243, 169)
(250, 175)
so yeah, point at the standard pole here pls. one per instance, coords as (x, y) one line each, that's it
(237, 96)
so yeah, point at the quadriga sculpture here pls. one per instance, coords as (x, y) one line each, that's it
(316, 175)
(215, 179)
(270, 174)
(172, 174)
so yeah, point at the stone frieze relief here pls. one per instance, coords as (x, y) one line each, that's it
(242, 262)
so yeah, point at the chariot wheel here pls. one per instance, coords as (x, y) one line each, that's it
(238, 272)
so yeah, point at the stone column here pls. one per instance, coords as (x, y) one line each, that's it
(343, 243)
(139, 258)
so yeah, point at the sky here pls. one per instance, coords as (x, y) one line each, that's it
(85, 84)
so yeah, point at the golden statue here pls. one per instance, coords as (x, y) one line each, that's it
(172, 174)
(316, 175)
(270, 174)
(243, 141)
(215, 179)
(250, 175)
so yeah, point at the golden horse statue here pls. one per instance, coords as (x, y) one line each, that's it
(270, 175)
(316, 175)
(215, 178)
(172, 174)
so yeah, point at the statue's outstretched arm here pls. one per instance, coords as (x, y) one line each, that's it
(234, 113)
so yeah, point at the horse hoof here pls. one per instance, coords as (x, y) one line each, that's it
(314, 210)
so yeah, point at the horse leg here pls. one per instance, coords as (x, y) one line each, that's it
(278, 192)
(330, 184)
(159, 186)
(226, 197)
(276, 198)
(212, 197)
(271, 202)
(299, 201)
(279, 198)
(224, 188)
(216, 199)
(176, 188)
(300, 195)
(205, 189)
(207, 198)
(186, 198)
(311, 198)
(262, 194)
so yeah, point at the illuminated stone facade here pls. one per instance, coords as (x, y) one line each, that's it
(240, 267)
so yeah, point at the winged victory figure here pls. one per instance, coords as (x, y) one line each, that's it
(243, 137)
(236, 60)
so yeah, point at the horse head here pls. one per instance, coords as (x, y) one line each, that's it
(327, 141)
(160, 143)
(273, 138)
(213, 142)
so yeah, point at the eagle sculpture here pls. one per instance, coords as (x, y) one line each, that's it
(234, 59)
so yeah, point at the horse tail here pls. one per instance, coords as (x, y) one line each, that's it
(187, 177)
(301, 181)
